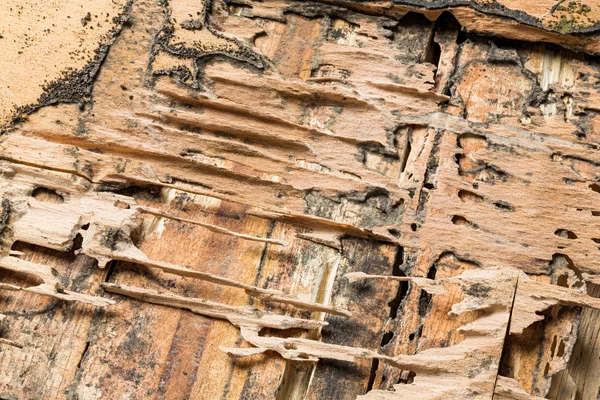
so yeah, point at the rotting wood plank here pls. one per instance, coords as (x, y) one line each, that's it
(354, 199)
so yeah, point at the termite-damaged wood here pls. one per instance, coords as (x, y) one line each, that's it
(290, 199)
(3, 327)
(509, 389)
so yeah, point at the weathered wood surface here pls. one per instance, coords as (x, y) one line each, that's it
(290, 199)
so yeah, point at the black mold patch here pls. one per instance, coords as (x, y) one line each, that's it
(111, 238)
(478, 290)
(504, 206)
(4, 214)
(425, 304)
(343, 331)
(500, 55)
(331, 375)
(377, 206)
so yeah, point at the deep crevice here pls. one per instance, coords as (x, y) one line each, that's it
(410, 377)
(504, 354)
(405, 153)
(85, 350)
(387, 337)
(110, 269)
(372, 374)
(402, 286)
(565, 233)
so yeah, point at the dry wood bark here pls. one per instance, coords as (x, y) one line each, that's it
(336, 199)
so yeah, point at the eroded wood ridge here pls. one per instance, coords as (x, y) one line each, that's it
(299, 200)
(468, 364)
(509, 389)
(238, 316)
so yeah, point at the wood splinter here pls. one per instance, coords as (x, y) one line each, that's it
(237, 315)
(211, 227)
(11, 343)
(263, 294)
(49, 284)
(126, 251)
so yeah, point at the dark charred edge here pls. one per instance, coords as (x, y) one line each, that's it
(326, 9)
(162, 41)
(492, 8)
(75, 86)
